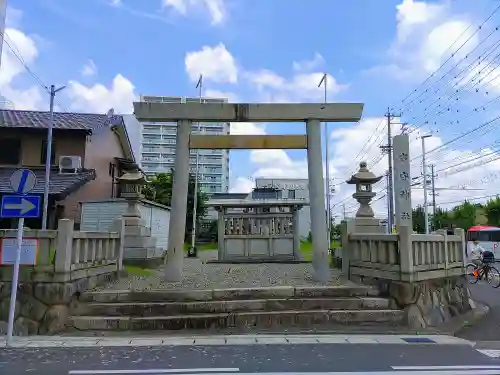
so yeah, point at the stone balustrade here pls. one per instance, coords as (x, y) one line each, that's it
(422, 274)
(431, 256)
(258, 230)
(68, 262)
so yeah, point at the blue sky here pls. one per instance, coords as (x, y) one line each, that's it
(376, 52)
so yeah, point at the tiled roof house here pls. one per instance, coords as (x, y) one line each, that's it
(97, 145)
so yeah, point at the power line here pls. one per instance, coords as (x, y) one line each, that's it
(23, 63)
(463, 86)
(470, 199)
(19, 57)
(449, 58)
(462, 135)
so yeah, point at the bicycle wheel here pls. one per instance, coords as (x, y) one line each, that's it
(493, 277)
(469, 273)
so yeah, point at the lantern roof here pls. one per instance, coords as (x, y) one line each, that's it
(133, 177)
(363, 176)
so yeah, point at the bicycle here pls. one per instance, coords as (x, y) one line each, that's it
(475, 273)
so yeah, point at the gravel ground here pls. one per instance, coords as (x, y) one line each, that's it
(200, 275)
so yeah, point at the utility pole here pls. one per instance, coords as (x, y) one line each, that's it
(48, 156)
(390, 189)
(425, 174)
(433, 187)
(389, 229)
(199, 86)
(343, 209)
(324, 82)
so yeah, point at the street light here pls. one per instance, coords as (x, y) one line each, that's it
(424, 167)
(48, 156)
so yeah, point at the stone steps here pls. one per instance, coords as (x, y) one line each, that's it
(178, 295)
(145, 309)
(242, 320)
(240, 309)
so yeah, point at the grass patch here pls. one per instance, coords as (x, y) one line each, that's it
(306, 249)
(202, 247)
(138, 271)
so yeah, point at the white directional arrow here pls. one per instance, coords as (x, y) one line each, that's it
(23, 206)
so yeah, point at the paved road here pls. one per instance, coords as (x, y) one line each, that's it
(488, 328)
(331, 358)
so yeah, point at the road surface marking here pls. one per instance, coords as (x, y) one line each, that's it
(390, 372)
(156, 371)
(492, 353)
(437, 368)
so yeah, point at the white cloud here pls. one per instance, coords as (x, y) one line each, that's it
(216, 64)
(99, 99)
(115, 3)
(238, 128)
(230, 96)
(31, 97)
(411, 14)
(26, 47)
(300, 87)
(307, 65)
(242, 185)
(424, 33)
(89, 69)
(216, 8)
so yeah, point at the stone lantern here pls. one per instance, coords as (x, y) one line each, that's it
(131, 184)
(364, 180)
(139, 246)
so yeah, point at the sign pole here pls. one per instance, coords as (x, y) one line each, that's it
(15, 280)
(20, 206)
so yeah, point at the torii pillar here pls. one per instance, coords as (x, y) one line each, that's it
(187, 113)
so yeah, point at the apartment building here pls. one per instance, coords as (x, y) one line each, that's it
(155, 147)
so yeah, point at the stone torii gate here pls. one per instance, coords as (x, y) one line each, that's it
(187, 113)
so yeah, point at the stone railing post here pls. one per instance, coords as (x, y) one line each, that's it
(406, 249)
(444, 233)
(221, 230)
(461, 232)
(346, 227)
(119, 226)
(64, 246)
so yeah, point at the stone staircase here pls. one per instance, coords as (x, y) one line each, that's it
(244, 309)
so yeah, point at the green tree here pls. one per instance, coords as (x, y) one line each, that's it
(464, 215)
(442, 219)
(159, 190)
(492, 211)
(336, 232)
(418, 219)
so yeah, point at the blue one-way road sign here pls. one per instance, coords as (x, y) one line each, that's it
(20, 206)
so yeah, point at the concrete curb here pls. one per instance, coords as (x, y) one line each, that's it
(229, 340)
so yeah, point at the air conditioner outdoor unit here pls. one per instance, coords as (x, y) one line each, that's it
(70, 164)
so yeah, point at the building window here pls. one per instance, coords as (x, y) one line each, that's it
(10, 151)
(291, 194)
(43, 155)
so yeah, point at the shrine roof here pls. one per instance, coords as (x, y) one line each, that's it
(257, 202)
